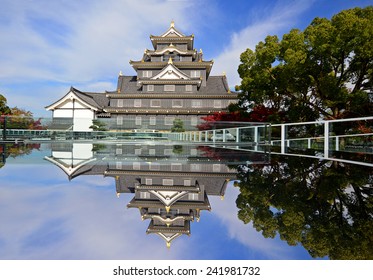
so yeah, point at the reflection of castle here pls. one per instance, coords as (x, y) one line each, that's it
(171, 183)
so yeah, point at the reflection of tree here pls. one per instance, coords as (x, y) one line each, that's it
(14, 150)
(325, 206)
(232, 155)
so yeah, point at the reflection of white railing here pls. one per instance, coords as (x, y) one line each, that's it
(254, 133)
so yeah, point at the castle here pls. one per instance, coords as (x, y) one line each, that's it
(173, 81)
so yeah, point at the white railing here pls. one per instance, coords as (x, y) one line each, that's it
(259, 133)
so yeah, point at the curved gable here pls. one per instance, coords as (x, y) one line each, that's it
(68, 98)
(170, 72)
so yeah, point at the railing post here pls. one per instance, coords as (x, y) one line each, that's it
(283, 137)
(4, 128)
(206, 136)
(326, 139)
(337, 143)
(224, 137)
(256, 135)
(237, 135)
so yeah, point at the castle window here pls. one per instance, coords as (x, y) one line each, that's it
(120, 102)
(119, 120)
(169, 120)
(138, 120)
(152, 121)
(217, 103)
(187, 182)
(136, 166)
(193, 121)
(150, 87)
(147, 74)
(177, 103)
(137, 103)
(216, 167)
(195, 74)
(188, 88)
(144, 195)
(169, 87)
(193, 196)
(196, 103)
(176, 167)
(167, 152)
(155, 103)
(167, 182)
(154, 166)
(138, 151)
(148, 181)
(195, 167)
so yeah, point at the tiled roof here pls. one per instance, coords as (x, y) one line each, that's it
(98, 100)
(93, 99)
(214, 85)
(128, 84)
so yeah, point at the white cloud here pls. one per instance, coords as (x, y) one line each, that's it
(77, 41)
(47, 46)
(71, 220)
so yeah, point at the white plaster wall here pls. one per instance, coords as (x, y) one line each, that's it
(59, 113)
(62, 155)
(82, 151)
(68, 104)
(83, 119)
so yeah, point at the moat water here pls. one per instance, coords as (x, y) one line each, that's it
(149, 200)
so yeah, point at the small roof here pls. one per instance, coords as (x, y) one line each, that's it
(173, 35)
(195, 65)
(171, 48)
(172, 31)
(171, 72)
(92, 100)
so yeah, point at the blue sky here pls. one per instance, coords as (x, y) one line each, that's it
(48, 45)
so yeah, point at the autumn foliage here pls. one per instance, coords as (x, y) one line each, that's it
(217, 120)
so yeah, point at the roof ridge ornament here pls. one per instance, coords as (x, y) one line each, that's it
(170, 61)
(172, 23)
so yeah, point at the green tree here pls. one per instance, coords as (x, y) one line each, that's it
(4, 109)
(324, 71)
(16, 118)
(98, 125)
(178, 126)
(20, 119)
(327, 207)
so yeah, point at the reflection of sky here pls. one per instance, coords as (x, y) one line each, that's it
(45, 216)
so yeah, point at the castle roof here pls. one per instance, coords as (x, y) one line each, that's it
(128, 87)
(94, 100)
(172, 35)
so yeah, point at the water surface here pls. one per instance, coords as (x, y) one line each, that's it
(148, 200)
